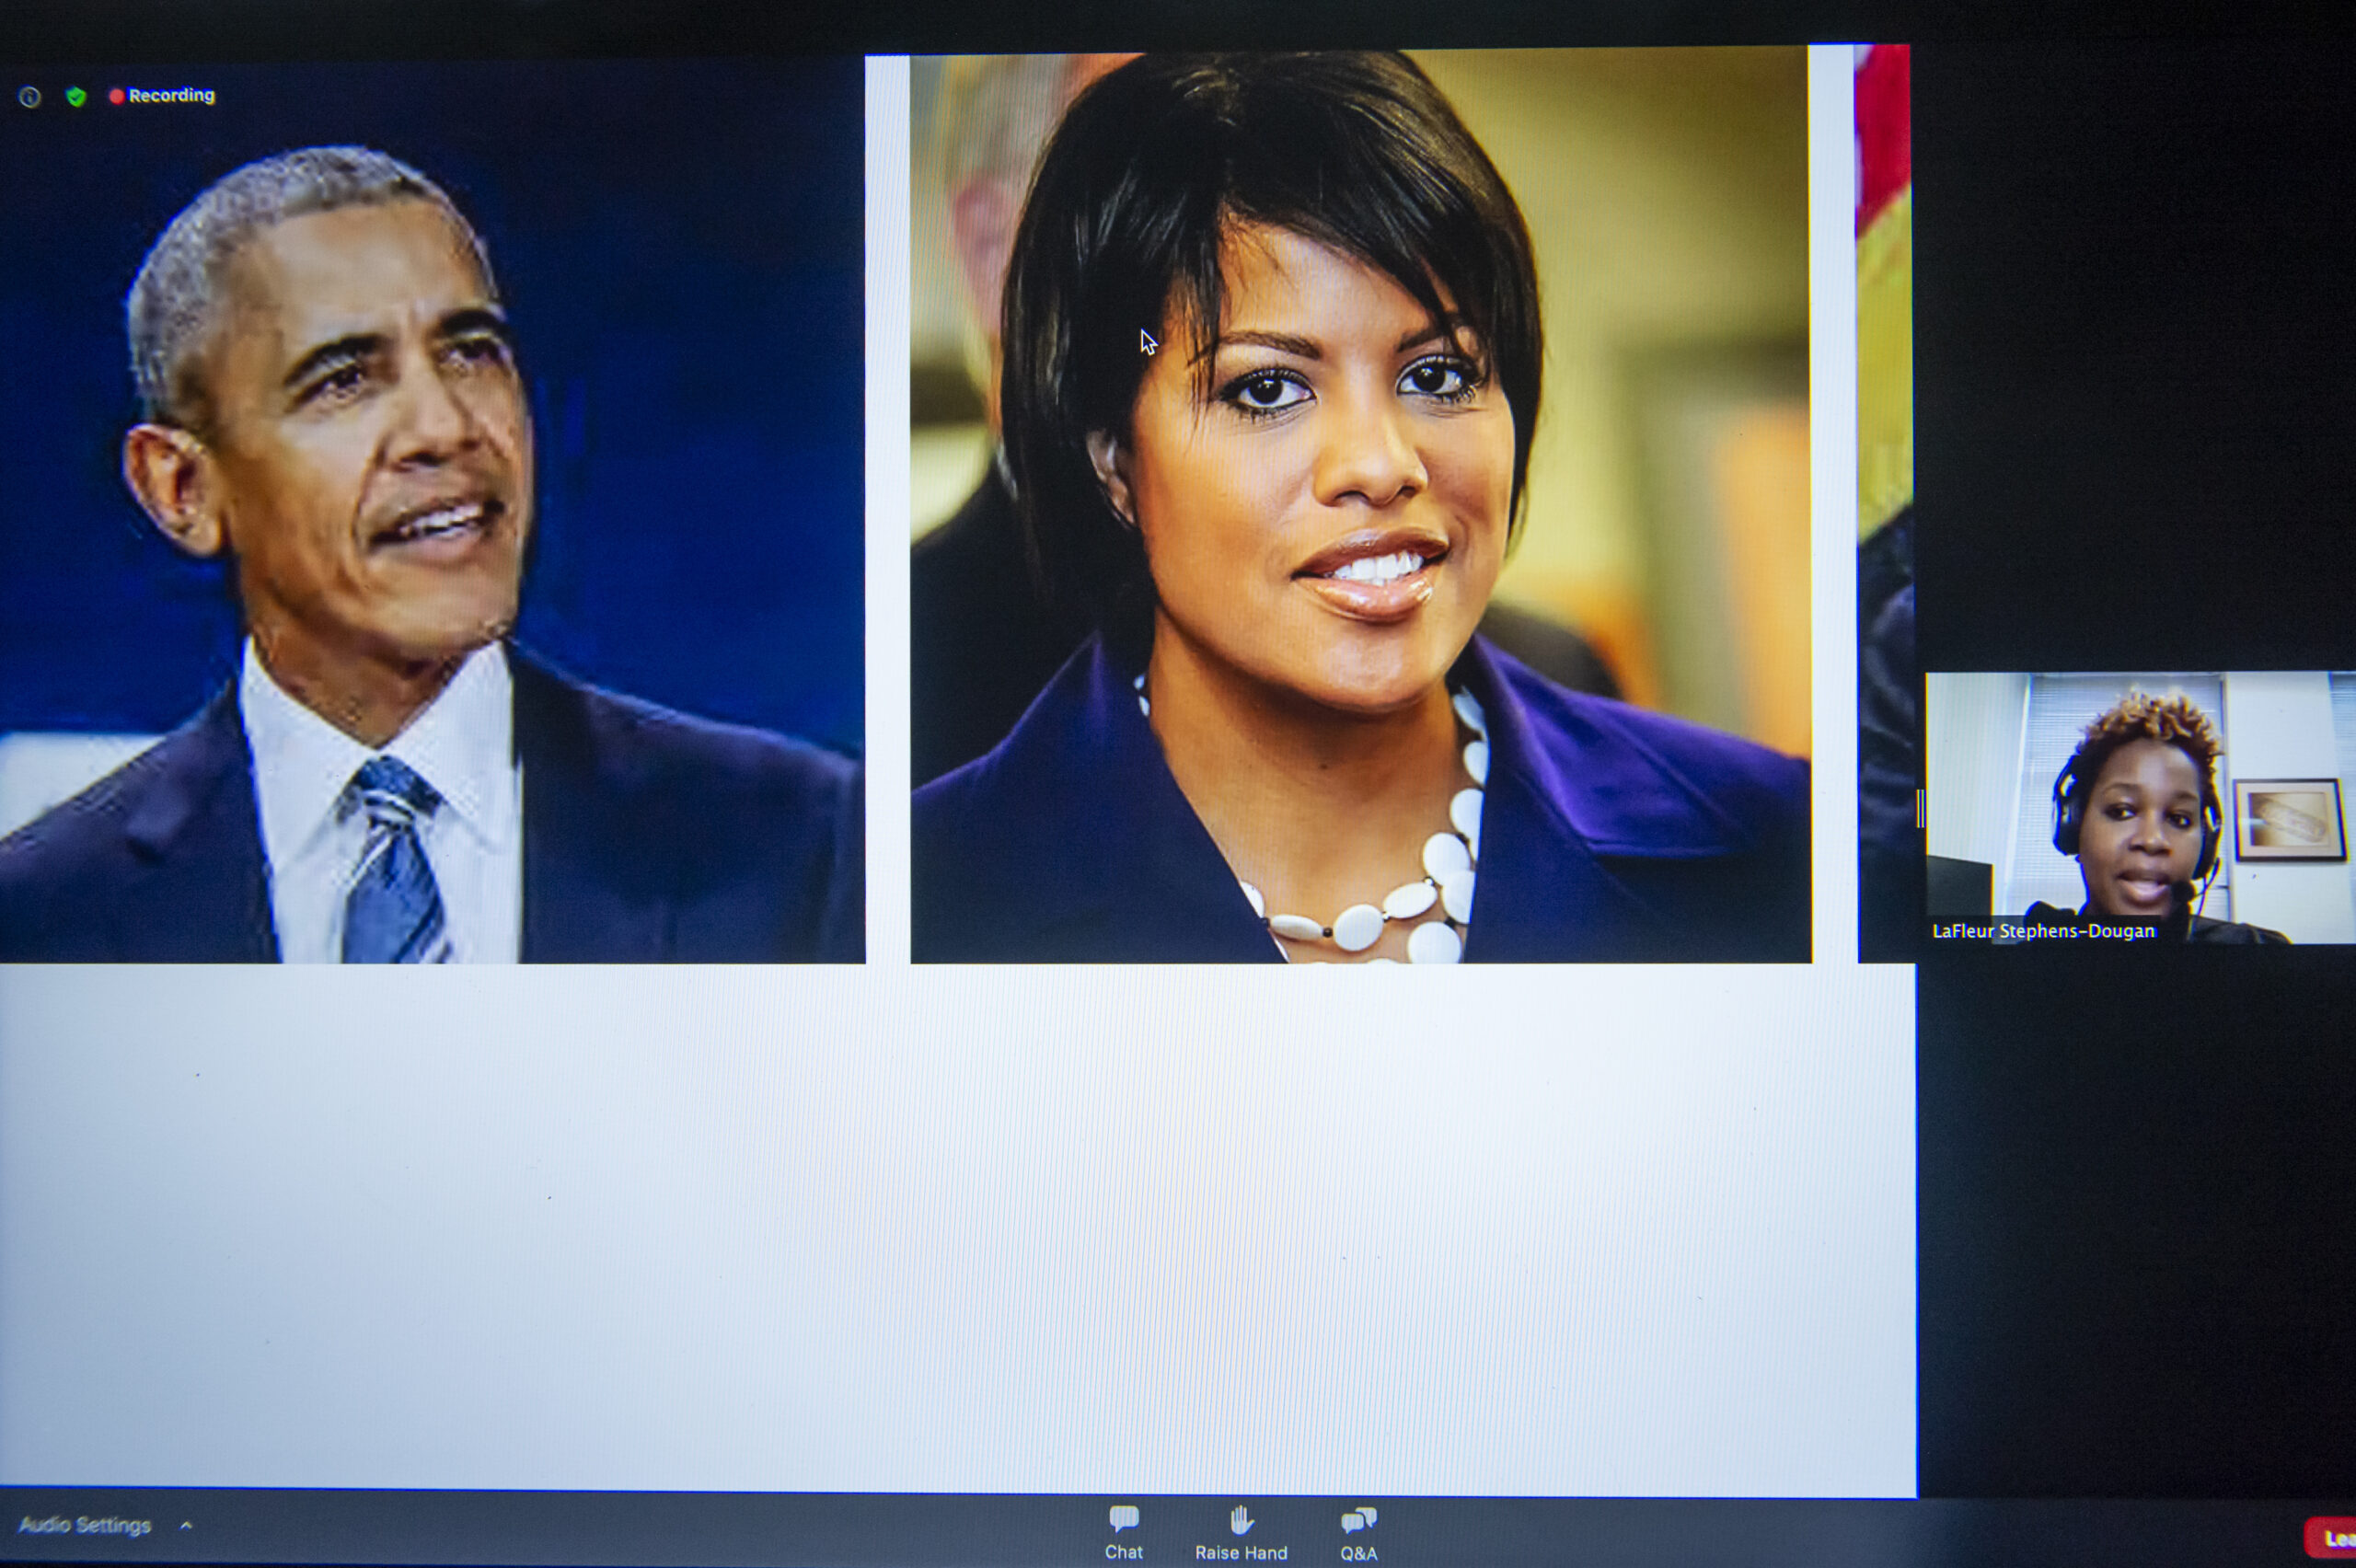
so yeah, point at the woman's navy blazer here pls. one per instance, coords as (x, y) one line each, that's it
(1609, 834)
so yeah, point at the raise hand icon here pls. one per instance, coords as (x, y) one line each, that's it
(1240, 1521)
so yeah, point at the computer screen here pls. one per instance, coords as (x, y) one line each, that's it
(687, 704)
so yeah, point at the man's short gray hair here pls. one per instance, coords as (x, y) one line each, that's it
(175, 301)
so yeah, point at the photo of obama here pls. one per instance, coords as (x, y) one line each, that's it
(332, 405)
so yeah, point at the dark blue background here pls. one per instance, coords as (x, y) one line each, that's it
(680, 245)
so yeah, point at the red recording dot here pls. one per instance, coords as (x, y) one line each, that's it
(114, 95)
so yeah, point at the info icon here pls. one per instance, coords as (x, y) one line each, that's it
(29, 95)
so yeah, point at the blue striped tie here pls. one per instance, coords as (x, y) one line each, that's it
(393, 914)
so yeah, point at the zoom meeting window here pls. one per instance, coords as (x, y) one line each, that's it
(815, 684)
(946, 612)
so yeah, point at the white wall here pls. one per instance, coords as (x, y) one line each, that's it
(1973, 736)
(2278, 722)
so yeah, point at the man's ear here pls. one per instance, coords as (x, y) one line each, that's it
(171, 474)
(983, 214)
(1110, 462)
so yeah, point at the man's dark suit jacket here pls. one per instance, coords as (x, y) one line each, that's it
(1607, 833)
(649, 837)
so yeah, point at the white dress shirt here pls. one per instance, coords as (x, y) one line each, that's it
(462, 744)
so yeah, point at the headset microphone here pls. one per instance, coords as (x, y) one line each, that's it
(2211, 862)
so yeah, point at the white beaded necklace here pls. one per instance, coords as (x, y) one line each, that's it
(1449, 868)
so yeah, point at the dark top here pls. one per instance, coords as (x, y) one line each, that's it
(2181, 927)
(1891, 886)
(648, 837)
(984, 640)
(1607, 833)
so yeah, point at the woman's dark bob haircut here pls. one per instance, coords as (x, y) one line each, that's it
(1151, 170)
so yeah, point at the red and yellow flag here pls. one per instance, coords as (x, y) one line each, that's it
(1885, 287)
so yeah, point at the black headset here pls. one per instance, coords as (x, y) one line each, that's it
(2070, 792)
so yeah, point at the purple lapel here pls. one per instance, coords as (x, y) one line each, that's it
(1542, 896)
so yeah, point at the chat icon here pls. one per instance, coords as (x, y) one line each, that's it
(1123, 1517)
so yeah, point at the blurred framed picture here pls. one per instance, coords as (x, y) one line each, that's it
(2288, 819)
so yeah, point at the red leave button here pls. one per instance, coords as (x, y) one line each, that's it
(2329, 1537)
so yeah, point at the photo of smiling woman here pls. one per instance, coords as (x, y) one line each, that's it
(1272, 358)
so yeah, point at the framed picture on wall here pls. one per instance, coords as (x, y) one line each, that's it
(2288, 819)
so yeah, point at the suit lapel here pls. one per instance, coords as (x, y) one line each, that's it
(593, 892)
(1184, 904)
(201, 890)
(1543, 895)
(1115, 863)
(1116, 850)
